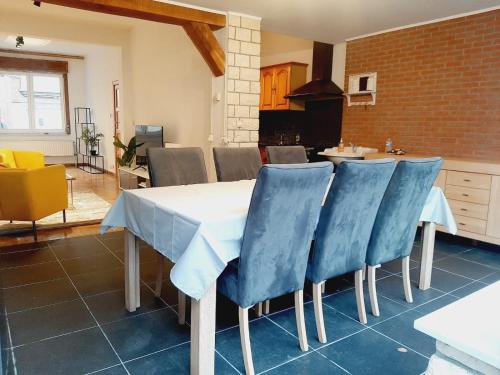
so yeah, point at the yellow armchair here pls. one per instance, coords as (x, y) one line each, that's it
(21, 159)
(32, 194)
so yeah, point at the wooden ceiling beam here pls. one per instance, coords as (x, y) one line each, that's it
(149, 10)
(208, 46)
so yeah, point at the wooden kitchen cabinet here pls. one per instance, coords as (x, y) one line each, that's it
(277, 81)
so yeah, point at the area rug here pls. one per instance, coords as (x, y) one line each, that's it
(87, 208)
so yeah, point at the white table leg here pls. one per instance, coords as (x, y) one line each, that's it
(427, 255)
(131, 271)
(203, 334)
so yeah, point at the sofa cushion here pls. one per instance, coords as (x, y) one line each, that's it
(7, 157)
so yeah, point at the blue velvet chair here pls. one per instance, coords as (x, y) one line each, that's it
(282, 217)
(344, 228)
(394, 230)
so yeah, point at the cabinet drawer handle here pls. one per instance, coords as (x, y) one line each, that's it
(466, 180)
(463, 209)
(463, 224)
(465, 194)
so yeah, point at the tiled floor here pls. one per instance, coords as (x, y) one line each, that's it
(62, 310)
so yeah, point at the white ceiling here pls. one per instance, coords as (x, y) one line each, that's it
(334, 21)
(330, 21)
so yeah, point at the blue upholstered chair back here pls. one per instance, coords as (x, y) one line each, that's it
(347, 218)
(176, 166)
(286, 154)
(396, 223)
(237, 163)
(282, 217)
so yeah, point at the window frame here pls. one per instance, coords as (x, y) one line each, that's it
(31, 103)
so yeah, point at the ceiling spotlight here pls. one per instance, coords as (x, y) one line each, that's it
(19, 42)
(37, 3)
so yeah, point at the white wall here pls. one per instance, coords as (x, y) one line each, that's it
(103, 66)
(171, 84)
(279, 48)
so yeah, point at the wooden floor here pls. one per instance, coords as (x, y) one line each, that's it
(104, 185)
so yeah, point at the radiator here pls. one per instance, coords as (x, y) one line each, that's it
(48, 148)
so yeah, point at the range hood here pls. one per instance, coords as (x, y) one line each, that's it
(321, 87)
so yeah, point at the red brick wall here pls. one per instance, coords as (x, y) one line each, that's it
(438, 88)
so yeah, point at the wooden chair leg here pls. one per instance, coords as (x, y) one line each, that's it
(259, 309)
(406, 279)
(318, 312)
(323, 287)
(35, 236)
(360, 299)
(364, 272)
(159, 274)
(181, 307)
(373, 290)
(64, 216)
(301, 322)
(267, 306)
(245, 340)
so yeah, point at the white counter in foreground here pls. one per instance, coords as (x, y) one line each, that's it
(466, 331)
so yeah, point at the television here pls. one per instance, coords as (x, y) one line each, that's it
(150, 136)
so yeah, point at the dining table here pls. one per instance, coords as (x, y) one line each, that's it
(200, 229)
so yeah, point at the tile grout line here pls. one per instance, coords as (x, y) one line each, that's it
(52, 337)
(313, 349)
(13, 355)
(90, 312)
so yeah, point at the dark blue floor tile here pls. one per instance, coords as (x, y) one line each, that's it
(24, 258)
(394, 266)
(143, 334)
(227, 313)
(36, 295)
(436, 304)
(43, 322)
(312, 363)
(97, 282)
(8, 367)
(392, 287)
(400, 328)
(334, 285)
(78, 247)
(442, 280)
(31, 274)
(451, 246)
(336, 325)
(416, 254)
(463, 267)
(368, 352)
(494, 277)
(77, 353)
(115, 370)
(468, 289)
(168, 292)
(108, 307)
(99, 262)
(488, 258)
(345, 302)
(173, 361)
(271, 345)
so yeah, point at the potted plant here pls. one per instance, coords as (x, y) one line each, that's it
(91, 139)
(128, 151)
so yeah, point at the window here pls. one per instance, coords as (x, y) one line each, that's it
(31, 102)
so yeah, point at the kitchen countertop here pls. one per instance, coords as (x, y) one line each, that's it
(450, 163)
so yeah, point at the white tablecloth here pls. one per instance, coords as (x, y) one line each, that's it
(200, 227)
